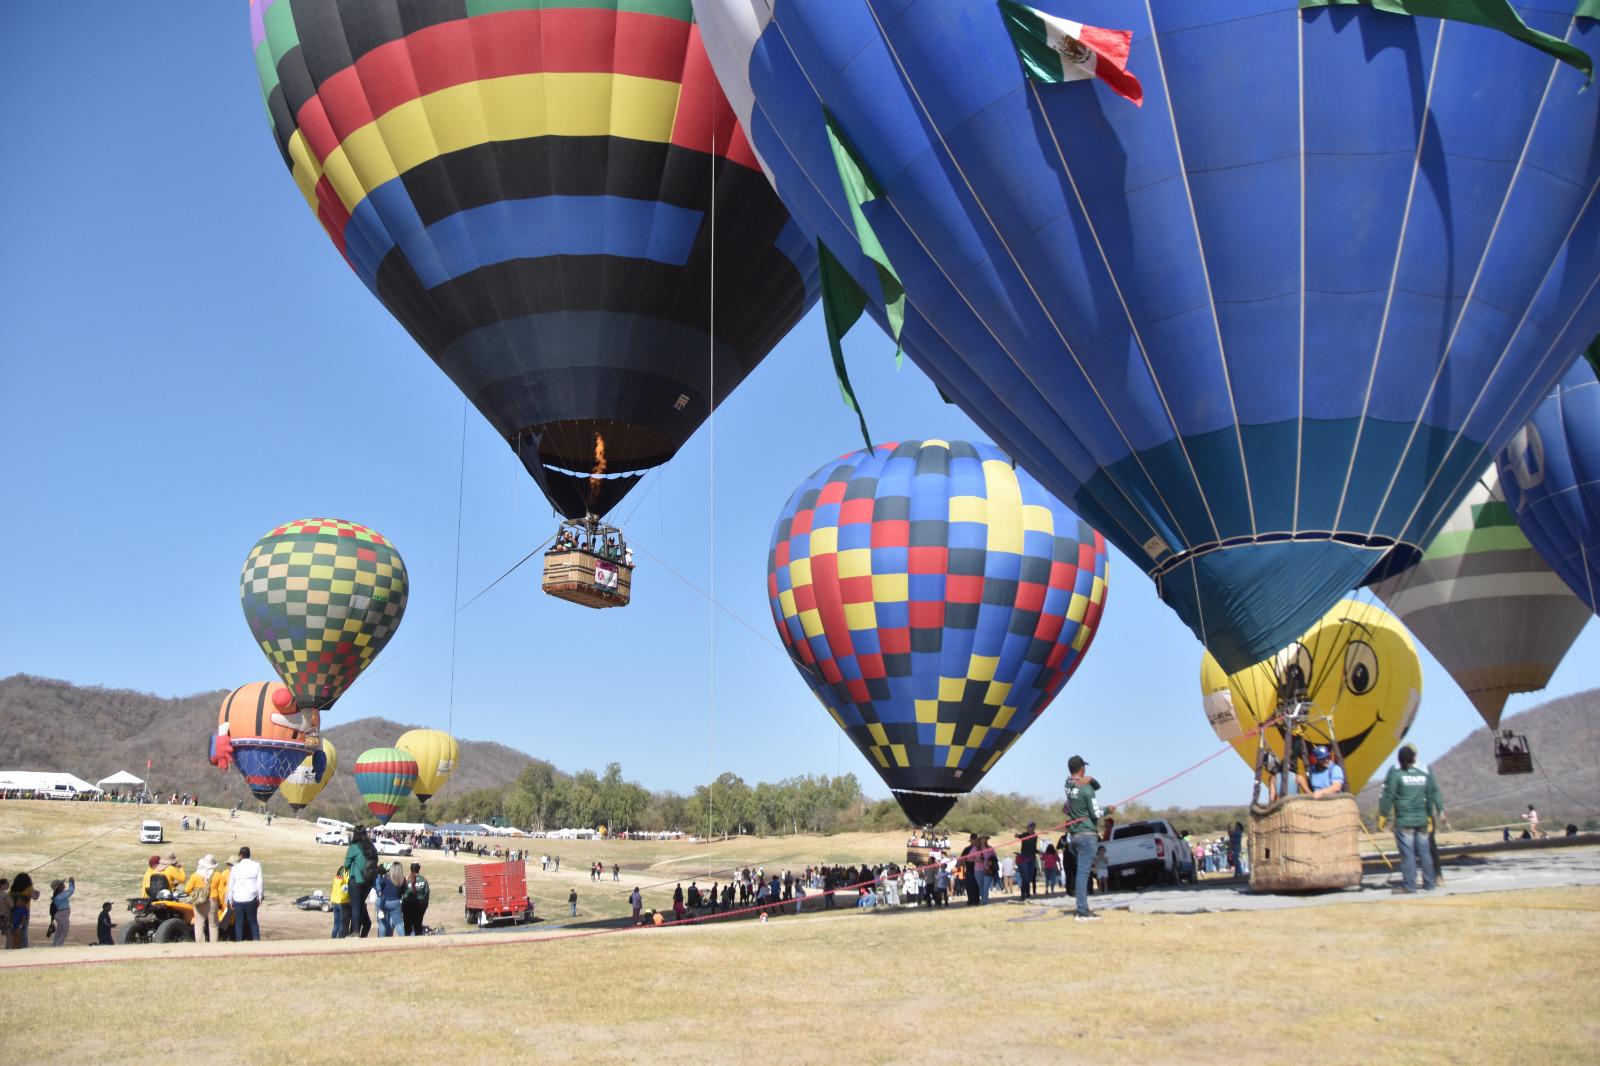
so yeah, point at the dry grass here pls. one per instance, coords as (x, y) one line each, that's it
(1458, 979)
(1454, 979)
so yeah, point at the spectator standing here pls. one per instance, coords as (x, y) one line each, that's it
(572, 901)
(61, 910)
(414, 904)
(1028, 861)
(5, 913)
(361, 860)
(197, 890)
(1412, 795)
(22, 896)
(390, 886)
(246, 887)
(104, 925)
(1052, 868)
(636, 901)
(219, 900)
(970, 857)
(339, 900)
(1236, 849)
(1083, 823)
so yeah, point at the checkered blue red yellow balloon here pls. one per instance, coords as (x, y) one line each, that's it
(936, 599)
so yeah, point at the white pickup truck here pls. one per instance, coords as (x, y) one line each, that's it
(1147, 853)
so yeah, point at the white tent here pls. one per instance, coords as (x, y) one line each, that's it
(44, 781)
(120, 778)
(406, 827)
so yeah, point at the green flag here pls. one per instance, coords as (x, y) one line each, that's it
(861, 188)
(1587, 9)
(1495, 14)
(842, 303)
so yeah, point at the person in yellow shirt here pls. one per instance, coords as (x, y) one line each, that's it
(149, 875)
(339, 896)
(197, 890)
(219, 901)
(176, 875)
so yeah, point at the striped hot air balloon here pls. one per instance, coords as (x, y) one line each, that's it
(538, 191)
(1484, 603)
(385, 778)
(936, 599)
(263, 733)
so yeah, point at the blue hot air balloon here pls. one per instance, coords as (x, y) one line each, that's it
(1550, 473)
(1263, 330)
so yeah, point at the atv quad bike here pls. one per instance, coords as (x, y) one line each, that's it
(159, 921)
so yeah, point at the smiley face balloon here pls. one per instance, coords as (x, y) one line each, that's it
(1357, 665)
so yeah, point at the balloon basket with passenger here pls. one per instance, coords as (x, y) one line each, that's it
(589, 563)
(1512, 754)
(1300, 842)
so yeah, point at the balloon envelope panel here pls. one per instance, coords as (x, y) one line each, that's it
(1551, 477)
(322, 597)
(1262, 331)
(1485, 604)
(531, 188)
(936, 599)
(1358, 666)
(385, 778)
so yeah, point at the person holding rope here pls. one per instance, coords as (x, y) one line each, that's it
(1083, 825)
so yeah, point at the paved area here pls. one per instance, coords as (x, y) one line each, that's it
(1463, 875)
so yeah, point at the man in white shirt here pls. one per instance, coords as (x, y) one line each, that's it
(245, 891)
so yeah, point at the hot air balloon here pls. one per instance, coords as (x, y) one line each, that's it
(1357, 665)
(322, 597)
(1264, 330)
(1550, 473)
(385, 777)
(260, 729)
(936, 599)
(306, 782)
(437, 755)
(1484, 603)
(556, 202)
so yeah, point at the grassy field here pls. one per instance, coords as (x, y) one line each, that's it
(1451, 979)
(1460, 979)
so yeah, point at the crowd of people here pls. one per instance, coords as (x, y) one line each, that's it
(400, 900)
(610, 547)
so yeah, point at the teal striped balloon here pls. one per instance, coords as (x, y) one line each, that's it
(385, 777)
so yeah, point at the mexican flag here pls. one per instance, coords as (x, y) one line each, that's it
(1495, 14)
(1055, 50)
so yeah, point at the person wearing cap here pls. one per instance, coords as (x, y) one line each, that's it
(1323, 776)
(150, 874)
(1412, 795)
(1083, 826)
(246, 887)
(197, 890)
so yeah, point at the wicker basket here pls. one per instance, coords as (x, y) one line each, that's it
(1300, 843)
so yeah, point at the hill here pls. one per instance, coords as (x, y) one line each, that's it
(94, 732)
(1565, 785)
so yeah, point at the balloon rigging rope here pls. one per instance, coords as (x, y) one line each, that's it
(455, 595)
(711, 486)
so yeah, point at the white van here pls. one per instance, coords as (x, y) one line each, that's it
(334, 824)
(150, 833)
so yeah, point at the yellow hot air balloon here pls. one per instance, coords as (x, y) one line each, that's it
(1357, 665)
(437, 754)
(306, 781)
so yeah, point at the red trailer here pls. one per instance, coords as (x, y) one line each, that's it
(498, 892)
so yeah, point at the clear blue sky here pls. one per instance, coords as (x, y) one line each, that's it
(188, 363)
